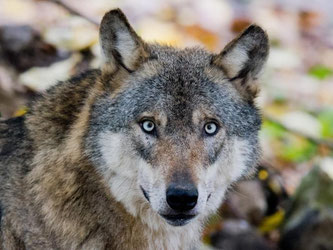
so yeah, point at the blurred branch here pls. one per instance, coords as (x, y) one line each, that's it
(73, 11)
(312, 139)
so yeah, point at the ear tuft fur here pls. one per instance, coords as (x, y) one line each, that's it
(243, 59)
(121, 46)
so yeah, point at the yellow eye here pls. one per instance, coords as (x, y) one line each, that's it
(211, 128)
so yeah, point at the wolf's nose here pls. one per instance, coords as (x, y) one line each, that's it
(181, 199)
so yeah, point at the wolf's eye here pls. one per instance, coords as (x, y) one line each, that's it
(148, 126)
(211, 128)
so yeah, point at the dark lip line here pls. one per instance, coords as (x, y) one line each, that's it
(178, 216)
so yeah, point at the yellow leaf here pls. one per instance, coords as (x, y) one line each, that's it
(208, 38)
(21, 111)
(271, 222)
(263, 175)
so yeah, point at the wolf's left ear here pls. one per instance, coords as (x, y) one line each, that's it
(243, 59)
(121, 46)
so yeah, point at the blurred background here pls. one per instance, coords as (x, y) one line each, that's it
(288, 204)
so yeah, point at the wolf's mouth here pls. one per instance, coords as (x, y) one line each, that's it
(178, 219)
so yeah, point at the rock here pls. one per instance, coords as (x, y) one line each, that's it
(248, 201)
(73, 34)
(23, 48)
(309, 221)
(41, 78)
(302, 122)
(238, 235)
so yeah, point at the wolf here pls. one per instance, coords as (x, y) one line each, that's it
(136, 154)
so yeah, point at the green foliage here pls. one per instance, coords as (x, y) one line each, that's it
(326, 119)
(288, 147)
(298, 149)
(320, 72)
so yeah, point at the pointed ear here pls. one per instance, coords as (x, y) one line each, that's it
(121, 46)
(243, 59)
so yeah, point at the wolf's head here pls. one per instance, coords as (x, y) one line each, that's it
(177, 127)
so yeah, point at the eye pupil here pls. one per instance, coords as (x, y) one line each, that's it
(148, 126)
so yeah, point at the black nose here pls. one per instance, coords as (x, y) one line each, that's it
(182, 199)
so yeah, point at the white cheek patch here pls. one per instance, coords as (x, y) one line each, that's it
(233, 165)
(120, 169)
(125, 172)
(215, 185)
(117, 155)
(240, 155)
(202, 199)
(228, 168)
(153, 182)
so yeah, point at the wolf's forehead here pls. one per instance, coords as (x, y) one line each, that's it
(170, 56)
(179, 73)
(179, 88)
(177, 81)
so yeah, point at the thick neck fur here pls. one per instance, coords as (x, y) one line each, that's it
(73, 201)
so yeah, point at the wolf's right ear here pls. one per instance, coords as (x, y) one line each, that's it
(243, 59)
(121, 46)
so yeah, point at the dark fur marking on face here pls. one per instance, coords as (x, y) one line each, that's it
(144, 151)
(213, 157)
(145, 194)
